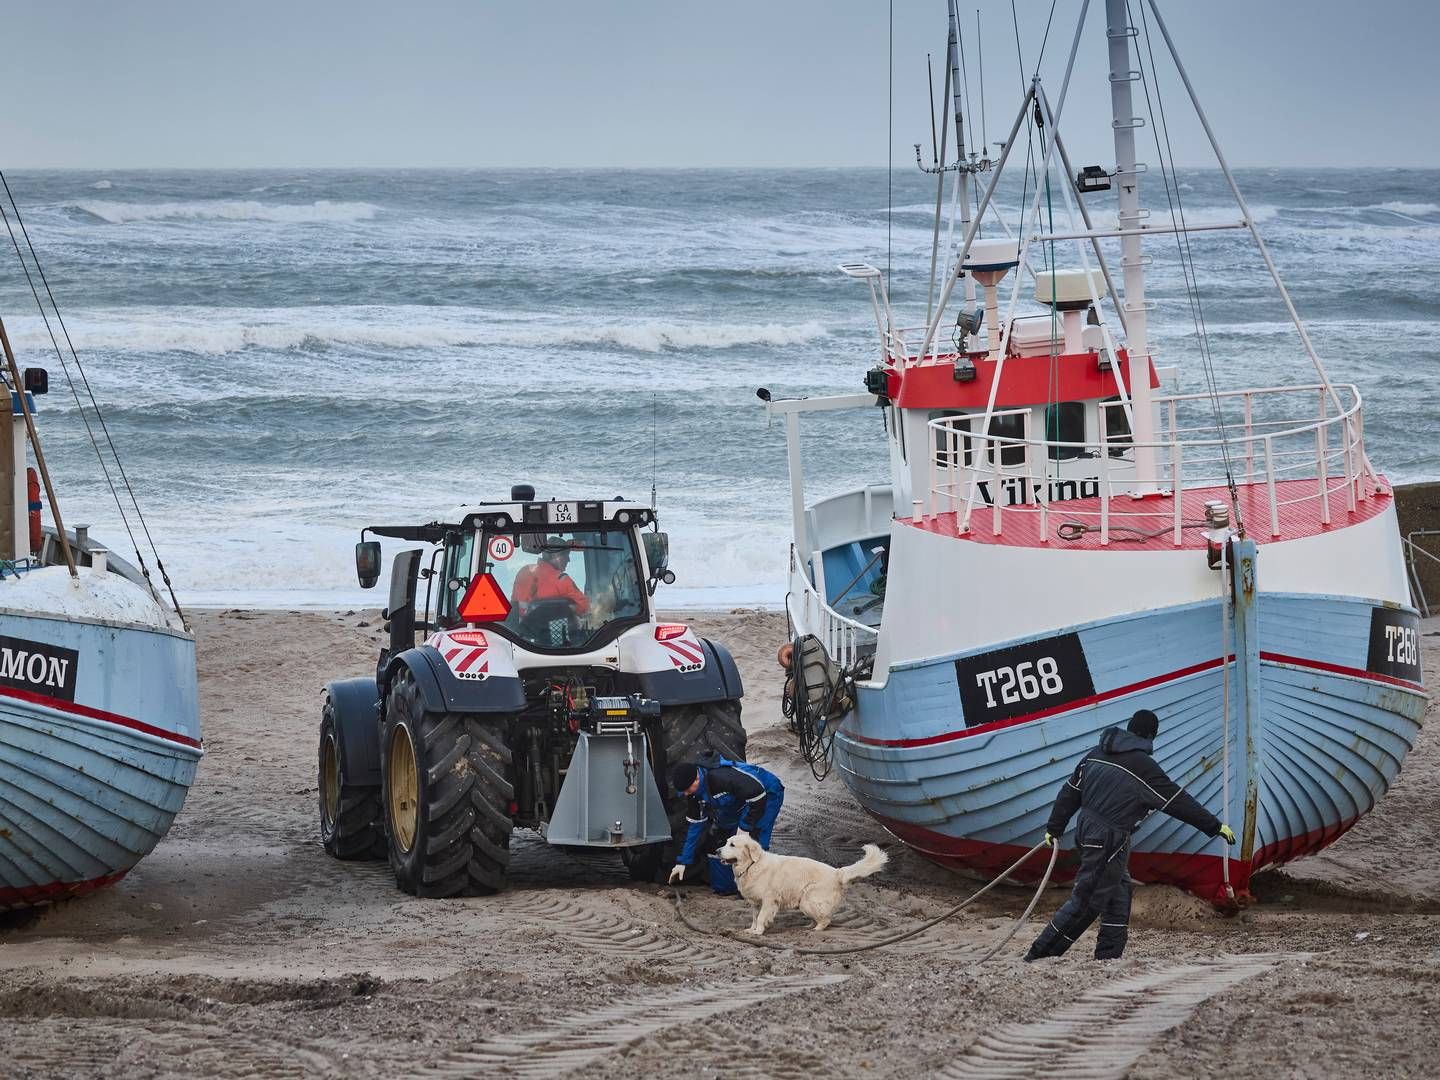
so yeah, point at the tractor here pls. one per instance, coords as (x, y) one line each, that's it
(534, 688)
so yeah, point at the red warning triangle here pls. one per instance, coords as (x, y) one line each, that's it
(484, 600)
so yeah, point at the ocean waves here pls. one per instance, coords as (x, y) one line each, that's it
(226, 331)
(320, 212)
(287, 356)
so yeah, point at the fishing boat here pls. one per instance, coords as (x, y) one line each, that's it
(1065, 538)
(99, 718)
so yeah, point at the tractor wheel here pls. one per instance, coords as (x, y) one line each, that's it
(685, 732)
(447, 795)
(351, 827)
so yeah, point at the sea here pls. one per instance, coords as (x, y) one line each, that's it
(284, 357)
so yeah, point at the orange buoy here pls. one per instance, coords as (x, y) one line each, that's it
(783, 657)
(32, 494)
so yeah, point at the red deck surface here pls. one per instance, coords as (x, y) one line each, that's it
(1300, 514)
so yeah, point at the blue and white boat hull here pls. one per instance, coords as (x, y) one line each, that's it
(99, 731)
(1334, 721)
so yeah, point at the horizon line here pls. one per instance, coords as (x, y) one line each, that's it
(622, 168)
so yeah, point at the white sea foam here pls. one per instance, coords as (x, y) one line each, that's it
(1411, 208)
(220, 331)
(102, 185)
(322, 211)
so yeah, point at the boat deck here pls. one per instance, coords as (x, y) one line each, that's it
(1149, 523)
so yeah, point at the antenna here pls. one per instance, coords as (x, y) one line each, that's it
(654, 447)
(930, 83)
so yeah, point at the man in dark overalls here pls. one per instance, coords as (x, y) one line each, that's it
(724, 796)
(1115, 787)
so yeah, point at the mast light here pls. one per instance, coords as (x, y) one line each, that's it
(1092, 178)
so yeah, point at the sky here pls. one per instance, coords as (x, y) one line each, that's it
(674, 83)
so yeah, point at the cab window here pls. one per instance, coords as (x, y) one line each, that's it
(1065, 423)
(565, 587)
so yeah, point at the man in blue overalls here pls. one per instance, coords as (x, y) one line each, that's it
(724, 796)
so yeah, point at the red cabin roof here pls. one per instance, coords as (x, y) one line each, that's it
(1027, 380)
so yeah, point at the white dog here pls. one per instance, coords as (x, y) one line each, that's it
(775, 883)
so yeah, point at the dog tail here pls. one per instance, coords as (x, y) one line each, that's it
(872, 862)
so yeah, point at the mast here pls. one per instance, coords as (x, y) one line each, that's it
(952, 55)
(1119, 32)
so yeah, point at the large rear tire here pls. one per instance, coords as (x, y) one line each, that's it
(351, 826)
(447, 792)
(686, 731)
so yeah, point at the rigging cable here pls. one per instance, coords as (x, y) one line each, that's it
(1187, 259)
(95, 404)
(890, 156)
(45, 318)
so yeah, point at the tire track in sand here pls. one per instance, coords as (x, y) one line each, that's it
(576, 1041)
(608, 933)
(1105, 1031)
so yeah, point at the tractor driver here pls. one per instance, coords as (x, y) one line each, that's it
(546, 579)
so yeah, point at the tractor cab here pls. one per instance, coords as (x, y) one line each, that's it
(554, 577)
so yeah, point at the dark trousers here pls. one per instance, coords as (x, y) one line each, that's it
(1102, 890)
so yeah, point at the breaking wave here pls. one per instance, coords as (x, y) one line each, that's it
(221, 332)
(321, 211)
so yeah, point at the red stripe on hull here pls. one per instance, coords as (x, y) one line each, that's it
(1338, 669)
(1198, 874)
(1069, 706)
(30, 895)
(99, 714)
(1121, 691)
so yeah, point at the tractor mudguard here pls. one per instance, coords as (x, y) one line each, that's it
(356, 705)
(445, 692)
(717, 680)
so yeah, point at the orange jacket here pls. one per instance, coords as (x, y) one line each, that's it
(542, 581)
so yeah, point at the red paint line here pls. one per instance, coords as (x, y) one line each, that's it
(1144, 684)
(1337, 669)
(21, 896)
(99, 714)
(1078, 703)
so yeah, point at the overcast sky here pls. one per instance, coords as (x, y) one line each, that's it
(670, 82)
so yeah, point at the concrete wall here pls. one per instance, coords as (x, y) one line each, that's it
(1418, 507)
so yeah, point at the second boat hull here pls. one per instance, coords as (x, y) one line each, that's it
(1324, 742)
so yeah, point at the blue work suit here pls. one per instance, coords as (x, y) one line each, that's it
(717, 810)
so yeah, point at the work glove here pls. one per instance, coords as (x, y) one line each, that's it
(1228, 833)
(677, 874)
(1049, 840)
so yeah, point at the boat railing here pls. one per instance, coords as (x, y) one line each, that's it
(844, 639)
(1257, 436)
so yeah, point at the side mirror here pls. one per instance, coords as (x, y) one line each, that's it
(657, 551)
(367, 563)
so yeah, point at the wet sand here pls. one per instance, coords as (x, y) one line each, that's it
(238, 948)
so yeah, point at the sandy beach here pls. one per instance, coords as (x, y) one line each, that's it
(238, 948)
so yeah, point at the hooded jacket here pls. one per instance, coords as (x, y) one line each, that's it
(1119, 783)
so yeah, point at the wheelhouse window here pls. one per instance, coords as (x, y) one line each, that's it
(1065, 423)
(1011, 426)
(1117, 428)
(566, 587)
(952, 444)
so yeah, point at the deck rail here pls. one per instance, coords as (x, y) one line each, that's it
(844, 639)
(1267, 435)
